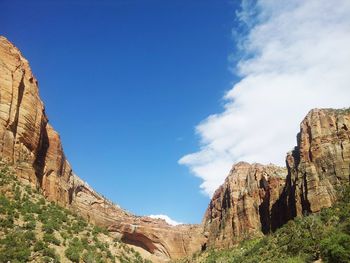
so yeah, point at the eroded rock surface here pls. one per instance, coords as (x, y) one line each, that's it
(242, 206)
(34, 148)
(321, 160)
(256, 199)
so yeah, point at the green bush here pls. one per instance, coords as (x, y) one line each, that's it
(51, 253)
(30, 225)
(14, 247)
(73, 254)
(336, 248)
(29, 236)
(39, 245)
(50, 238)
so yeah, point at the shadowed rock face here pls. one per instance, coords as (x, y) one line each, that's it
(256, 199)
(33, 147)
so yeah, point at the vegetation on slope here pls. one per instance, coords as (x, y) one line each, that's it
(34, 230)
(325, 236)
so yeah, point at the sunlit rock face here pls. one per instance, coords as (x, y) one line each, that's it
(27, 140)
(321, 160)
(256, 199)
(34, 148)
(242, 207)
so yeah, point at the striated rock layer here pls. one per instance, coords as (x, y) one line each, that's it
(256, 199)
(243, 205)
(321, 160)
(34, 148)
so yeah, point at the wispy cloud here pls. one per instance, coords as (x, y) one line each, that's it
(167, 219)
(295, 56)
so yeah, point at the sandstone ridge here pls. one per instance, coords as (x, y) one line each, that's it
(33, 147)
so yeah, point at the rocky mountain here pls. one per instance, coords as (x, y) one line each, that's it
(241, 207)
(30, 145)
(257, 199)
(254, 200)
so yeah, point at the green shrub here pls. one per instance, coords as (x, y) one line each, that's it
(30, 225)
(39, 245)
(50, 238)
(73, 254)
(14, 247)
(29, 236)
(336, 248)
(7, 222)
(89, 257)
(51, 253)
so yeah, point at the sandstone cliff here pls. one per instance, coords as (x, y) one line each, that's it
(256, 199)
(34, 148)
(242, 206)
(321, 160)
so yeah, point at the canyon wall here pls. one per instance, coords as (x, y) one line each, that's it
(241, 207)
(256, 199)
(34, 149)
(320, 162)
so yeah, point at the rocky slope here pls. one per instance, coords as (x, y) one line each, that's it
(34, 148)
(35, 230)
(256, 199)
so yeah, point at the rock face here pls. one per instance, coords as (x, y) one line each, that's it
(28, 141)
(34, 148)
(159, 238)
(321, 160)
(256, 199)
(242, 206)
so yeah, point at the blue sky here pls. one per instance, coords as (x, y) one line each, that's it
(125, 83)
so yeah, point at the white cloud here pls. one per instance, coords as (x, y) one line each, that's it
(295, 57)
(167, 219)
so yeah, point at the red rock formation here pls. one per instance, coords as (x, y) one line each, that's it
(157, 237)
(241, 207)
(321, 160)
(34, 148)
(256, 199)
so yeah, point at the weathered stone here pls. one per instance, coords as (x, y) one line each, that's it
(321, 160)
(257, 199)
(241, 207)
